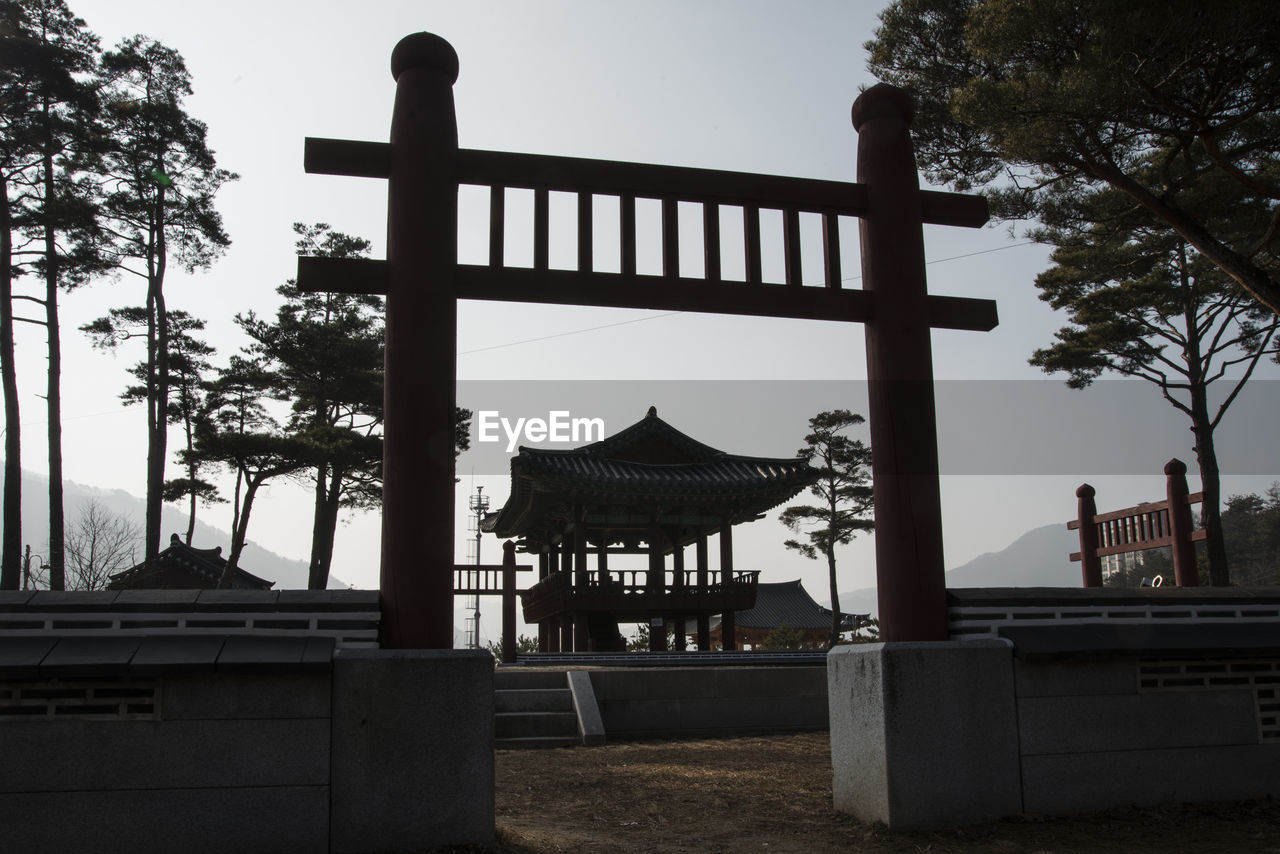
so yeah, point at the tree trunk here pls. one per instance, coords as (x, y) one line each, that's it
(157, 379)
(11, 560)
(1202, 429)
(324, 527)
(238, 528)
(1210, 485)
(832, 510)
(57, 571)
(835, 599)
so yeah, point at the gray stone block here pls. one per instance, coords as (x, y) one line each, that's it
(281, 820)
(83, 755)
(15, 600)
(89, 657)
(1093, 781)
(1147, 721)
(245, 696)
(924, 735)
(258, 654)
(172, 601)
(328, 600)
(1074, 678)
(237, 600)
(412, 750)
(72, 600)
(590, 724)
(20, 657)
(159, 654)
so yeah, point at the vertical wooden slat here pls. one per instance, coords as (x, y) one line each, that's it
(670, 238)
(791, 247)
(584, 233)
(541, 229)
(831, 249)
(497, 224)
(751, 237)
(711, 241)
(627, 218)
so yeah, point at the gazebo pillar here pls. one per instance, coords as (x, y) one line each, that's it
(704, 621)
(544, 628)
(602, 559)
(654, 583)
(566, 566)
(552, 629)
(566, 634)
(678, 584)
(580, 633)
(727, 634)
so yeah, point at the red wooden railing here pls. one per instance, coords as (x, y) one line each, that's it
(1151, 525)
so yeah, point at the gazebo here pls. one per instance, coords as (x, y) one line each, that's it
(648, 489)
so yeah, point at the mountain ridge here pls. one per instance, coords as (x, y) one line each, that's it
(287, 573)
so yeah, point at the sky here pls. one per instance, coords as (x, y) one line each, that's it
(746, 86)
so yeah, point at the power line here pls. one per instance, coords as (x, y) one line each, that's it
(672, 313)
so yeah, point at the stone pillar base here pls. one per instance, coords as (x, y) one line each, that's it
(924, 735)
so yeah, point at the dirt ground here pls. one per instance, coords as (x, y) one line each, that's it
(773, 794)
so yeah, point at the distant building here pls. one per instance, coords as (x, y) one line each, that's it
(786, 603)
(181, 567)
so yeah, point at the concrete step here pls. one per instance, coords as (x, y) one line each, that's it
(535, 724)
(535, 743)
(505, 679)
(533, 700)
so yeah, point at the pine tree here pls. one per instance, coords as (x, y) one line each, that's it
(844, 490)
(1144, 304)
(48, 107)
(159, 181)
(1163, 101)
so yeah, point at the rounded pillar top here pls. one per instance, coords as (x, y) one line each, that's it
(424, 50)
(1085, 491)
(1175, 466)
(882, 101)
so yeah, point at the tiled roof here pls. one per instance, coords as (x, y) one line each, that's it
(788, 602)
(725, 472)
(648, 462)
(207, 564)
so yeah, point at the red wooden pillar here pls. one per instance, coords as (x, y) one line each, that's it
(509, 602)
(655, 580)
(657, 634)
(728, 637)
(678, 585)
(566, 633)
(704, 621)
(904, 436)
(1090, 563)
(580, 633)
(1184, 550)
(552, 625)
(421, 340)
(544, 628)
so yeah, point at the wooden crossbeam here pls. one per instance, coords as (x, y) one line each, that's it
(617, 290)
(361, 159)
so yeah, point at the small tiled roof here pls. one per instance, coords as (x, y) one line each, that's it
(788, 602)
(204, 564)
(648, 462)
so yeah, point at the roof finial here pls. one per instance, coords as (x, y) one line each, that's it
(653, 412)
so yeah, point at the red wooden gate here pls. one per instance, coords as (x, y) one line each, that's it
(423, 280)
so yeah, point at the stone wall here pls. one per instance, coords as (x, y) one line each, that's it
(274, 736)
(1061, 701)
